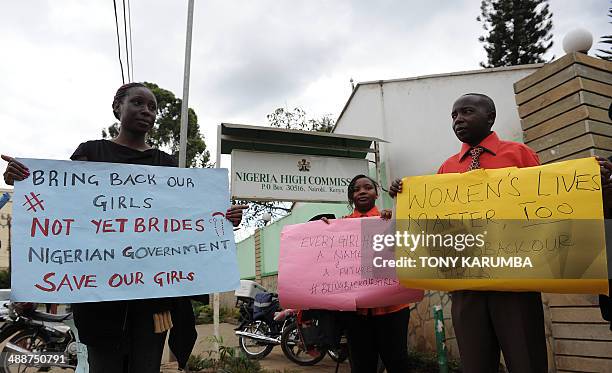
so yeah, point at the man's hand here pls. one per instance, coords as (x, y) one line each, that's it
(14, 170)
(234, 214)
(606, 184)
(395, 188)
(605, 167)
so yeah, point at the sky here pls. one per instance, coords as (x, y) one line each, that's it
(60, 66)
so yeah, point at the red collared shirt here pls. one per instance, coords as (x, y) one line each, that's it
(497, 154)
(356, 214)
(378, 310)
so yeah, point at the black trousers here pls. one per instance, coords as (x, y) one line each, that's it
(140, 351)
(385, 336)
(485, 321)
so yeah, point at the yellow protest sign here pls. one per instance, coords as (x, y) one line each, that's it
(512, 229)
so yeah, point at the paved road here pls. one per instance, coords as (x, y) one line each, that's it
(276, 359)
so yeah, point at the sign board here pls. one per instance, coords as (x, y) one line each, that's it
(321, 266)
(88, 231)
(292, 177)
(529, 229)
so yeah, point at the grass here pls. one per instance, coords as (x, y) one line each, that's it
(423, 362)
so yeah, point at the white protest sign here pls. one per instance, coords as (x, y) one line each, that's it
(293, 177)
(87, 231)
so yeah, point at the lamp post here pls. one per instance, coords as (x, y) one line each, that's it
(577, 40)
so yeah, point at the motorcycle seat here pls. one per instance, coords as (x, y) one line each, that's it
(43, 316)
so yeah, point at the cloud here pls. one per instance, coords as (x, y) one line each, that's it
(60, 68)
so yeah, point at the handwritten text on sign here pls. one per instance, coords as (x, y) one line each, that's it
(320, 267)
(549, 215)
(85, 231)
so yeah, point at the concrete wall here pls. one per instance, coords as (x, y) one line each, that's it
(563, 109)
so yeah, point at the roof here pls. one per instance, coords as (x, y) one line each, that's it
(278, 140)
(458, 73)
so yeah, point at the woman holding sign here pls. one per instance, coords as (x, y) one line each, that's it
(129, 336)
(382, 331)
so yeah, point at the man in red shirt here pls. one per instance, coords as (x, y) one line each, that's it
(487, 321)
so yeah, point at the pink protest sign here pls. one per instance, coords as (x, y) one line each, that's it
(323, 266)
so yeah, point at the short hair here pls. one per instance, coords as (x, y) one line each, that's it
(351, 187)
(321, 216)
(490, 105)
(120, 95)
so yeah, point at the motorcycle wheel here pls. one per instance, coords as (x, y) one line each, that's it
(254, 349)
(293, 347)
(31, 340)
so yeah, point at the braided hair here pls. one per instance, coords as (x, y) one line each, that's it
(120, 95)
(350, 190)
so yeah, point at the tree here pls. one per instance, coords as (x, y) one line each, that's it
(518, 31)
(282, 118)
(606, 54)
(166, 131)
(296, 120)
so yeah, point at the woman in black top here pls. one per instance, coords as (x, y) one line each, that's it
(120, 335)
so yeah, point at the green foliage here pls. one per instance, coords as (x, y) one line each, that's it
(204, 313)
(606, 54)
(295, 119)
(166, 132)
(518, 31)
(252, 217)
(199, 308)
(231, 364)
(198, 362)
(240, 365)
(226, 361)
(5, 279)
(421, 362)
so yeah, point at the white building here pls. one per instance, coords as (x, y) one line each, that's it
(414, 115)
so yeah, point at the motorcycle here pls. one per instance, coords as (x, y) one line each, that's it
(295, 349)
(35, 341)
(263, 326)
(252, 335)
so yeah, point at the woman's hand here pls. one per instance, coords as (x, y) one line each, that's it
(395, 188)
(386, 214)
(14, 170)
(325, 220)
(234, 214)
